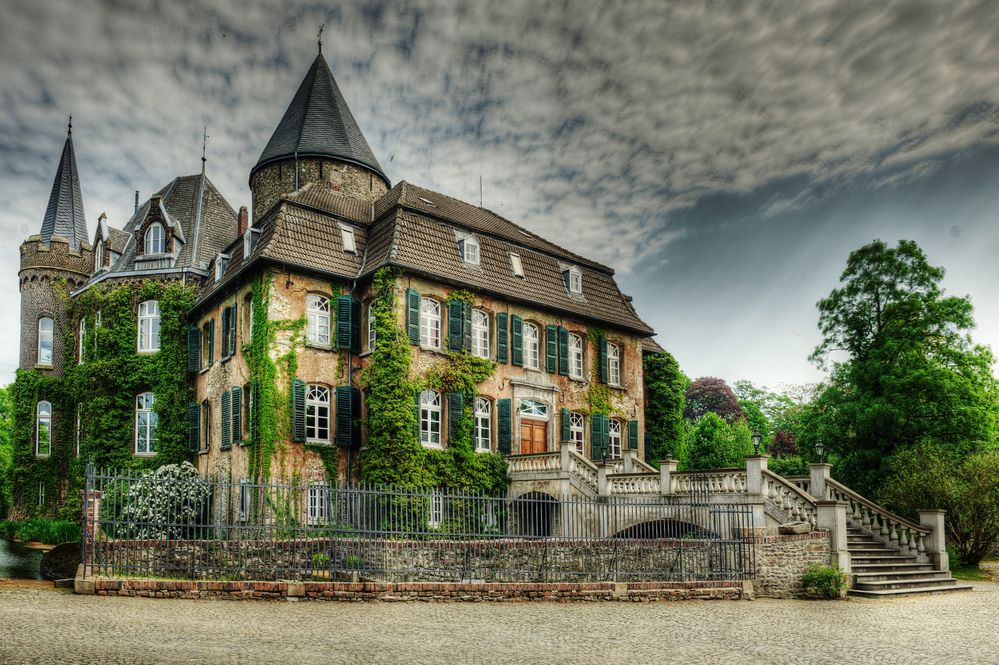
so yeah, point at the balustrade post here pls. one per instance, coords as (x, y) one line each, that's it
(831, 515)
(755, 466)
(935, 542)
(628, 457)
(603, 487)
(667, 468)
(564, 456)
(819, 474)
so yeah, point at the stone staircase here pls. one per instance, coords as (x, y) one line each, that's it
(880, 570)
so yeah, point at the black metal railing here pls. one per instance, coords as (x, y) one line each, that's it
(214, 528)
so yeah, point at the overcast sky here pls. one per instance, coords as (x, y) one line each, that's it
(724, 158)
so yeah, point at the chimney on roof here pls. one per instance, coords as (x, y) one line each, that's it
(244, 221)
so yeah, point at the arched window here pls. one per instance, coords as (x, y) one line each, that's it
(45, 329)
(430, 323)
(155, 239)
(614, 431)
(43, 429)
(430, 418)
(575, 356)
(483, 436)
(149, 326)
(318, 311)
(480, 333)
(146, 422)
(317, 414)
(531, 346)
(614, 364)
(99, 256)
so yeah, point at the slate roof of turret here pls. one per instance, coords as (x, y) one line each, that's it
(318, 123)
(64, 214)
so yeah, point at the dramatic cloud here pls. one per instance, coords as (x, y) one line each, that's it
(598, 124)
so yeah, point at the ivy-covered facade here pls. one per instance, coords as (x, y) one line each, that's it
(349, 331)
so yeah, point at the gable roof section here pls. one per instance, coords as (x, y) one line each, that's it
(318, 123)
(64, 214)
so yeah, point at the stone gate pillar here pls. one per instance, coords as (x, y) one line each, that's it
(819, 475)
(831, 516)
(91, 526)
(667, 468)
(936, 542)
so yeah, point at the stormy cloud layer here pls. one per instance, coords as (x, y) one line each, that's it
(722, 157)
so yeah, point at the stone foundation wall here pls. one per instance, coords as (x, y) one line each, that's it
(782, 560)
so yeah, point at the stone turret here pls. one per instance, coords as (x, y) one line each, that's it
(317, 140)
(56, 261)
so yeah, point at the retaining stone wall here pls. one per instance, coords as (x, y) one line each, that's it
(782, 560)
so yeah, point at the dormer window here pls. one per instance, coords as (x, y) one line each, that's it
(469, 248)
(573, 279)
(99, 256)
(221, 263)
(155, 239)
(250, 241)
(516, 266)
(347, 236)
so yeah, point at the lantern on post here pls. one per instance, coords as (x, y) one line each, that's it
(820, 448)
(757, 438)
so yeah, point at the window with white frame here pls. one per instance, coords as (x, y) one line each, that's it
(146, 421)
(575, 280)
(206, 426)
(372, 331)
(41, 493)
(83, 335)
(529, 407)
(614, 364)
(45, 336)
(575, 356)
(43, 429)
(99, 256)
(531, 345)
(347, 236)
(318, 503)
(79, 428)
(317, 414)
(483, 436)
(318, 314)
(470, 251)
(430, 418)
(576, 430)
(516, 265)
(480, 333)
(430, 323)
(614, 431)
(155, 239)
(436, 515)
(149, 326)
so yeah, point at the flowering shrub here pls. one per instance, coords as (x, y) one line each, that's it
(164, 503)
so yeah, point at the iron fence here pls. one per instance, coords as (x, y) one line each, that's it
(215, 528)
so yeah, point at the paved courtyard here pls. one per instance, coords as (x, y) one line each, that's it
(43, 625)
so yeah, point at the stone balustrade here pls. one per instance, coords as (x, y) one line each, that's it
(724, 481)
(907, 536)
(634, 483)
(796, 504)
(536, 463)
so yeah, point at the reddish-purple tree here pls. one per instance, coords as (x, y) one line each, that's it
(712, 394)
(783, 444)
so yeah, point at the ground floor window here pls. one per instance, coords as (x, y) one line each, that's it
(614, 430)
(576, 431)
(436, 514)
(317, 415)
(430, 418)
(146, 423)
(318, 508)
(244, 499)
(482, 422)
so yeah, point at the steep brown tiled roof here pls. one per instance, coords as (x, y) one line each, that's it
(649, 345)
(320, 197)
(303, 237)
(117, 239)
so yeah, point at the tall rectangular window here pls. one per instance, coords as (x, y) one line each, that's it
(207, 344)
(244, 499)
(206, 425)
(318, 312)
(43, 429)
(614, 433)
(576, 431)
(45, 334)
(149, 326)
(436, 516)
(483, 436)
(317, 414)
(318, 503)
(575, 356)
(614, 364)
(430, 418)
(347, 236)
(83, 335)
(531, 346)
(372, 331)
(146, 421)
(480, 333)
(79, 428)
(430, 323)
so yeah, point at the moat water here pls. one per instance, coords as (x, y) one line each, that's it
(19, 562)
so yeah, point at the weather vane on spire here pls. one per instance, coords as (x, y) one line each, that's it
(204, 148)
(320, 37)
(70, 124)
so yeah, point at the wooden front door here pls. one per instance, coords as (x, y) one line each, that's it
(533, 436)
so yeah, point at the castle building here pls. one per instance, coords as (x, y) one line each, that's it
(252, 346)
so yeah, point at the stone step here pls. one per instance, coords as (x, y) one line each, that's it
(913, 583)
(864, 551)
(901, 575)
(883, 558)
(906, 592)
(889, 567)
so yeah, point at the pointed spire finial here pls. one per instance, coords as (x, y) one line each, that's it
(320, 37)
(204, 149)
(70, 132)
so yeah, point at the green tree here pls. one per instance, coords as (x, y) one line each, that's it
(664, 421)
(714, 444)
(903, 366)
(6, 454)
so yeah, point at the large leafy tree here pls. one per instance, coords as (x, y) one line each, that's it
(711, 394)
(6, 453)
(664, 407)
(903, 366)
(714, 444)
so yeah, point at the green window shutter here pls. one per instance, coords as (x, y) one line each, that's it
(225, 332)
(211, 342)
(298, 410)
(348, 413)
(193, 426)
(603, 359)
(517, 333)
(232, 329)
(504, 426)
(599, 436)
(455, 405)
(551, 349)
(413, 316)
(193, 349)
(647, 439)
(343, 323)
(466, 332)
(225, 419)
(355, 326)
(563, 351)
(566, 419)
(633, 434)
(502, 339)
(237, 414)
(454, 325)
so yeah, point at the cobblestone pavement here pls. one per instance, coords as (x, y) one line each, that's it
(53, 626)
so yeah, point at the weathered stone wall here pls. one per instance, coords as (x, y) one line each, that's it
(782, 560)
(277, 179)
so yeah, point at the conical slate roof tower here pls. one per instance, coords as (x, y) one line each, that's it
(64, 214)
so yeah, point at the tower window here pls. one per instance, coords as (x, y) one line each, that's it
(155, 239)
(83, 335)
(146, 421)
(149, 326)
(45, 329)
(43, 429)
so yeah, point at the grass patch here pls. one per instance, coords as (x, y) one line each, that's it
(970, 574)
(50, 532)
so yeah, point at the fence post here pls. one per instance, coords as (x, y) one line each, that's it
(603, 487)
(667, 468)
(936, 542)
(831, 515)
(91, 524)
(819, 476)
